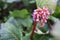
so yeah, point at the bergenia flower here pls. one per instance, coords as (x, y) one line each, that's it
(41, 15)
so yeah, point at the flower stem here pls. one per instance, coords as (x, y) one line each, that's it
(34, 28)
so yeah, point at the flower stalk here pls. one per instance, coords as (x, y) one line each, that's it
(34, 28)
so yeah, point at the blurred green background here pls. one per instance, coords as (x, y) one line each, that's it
(16, 17)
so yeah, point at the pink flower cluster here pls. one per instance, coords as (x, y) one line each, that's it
(41, 15)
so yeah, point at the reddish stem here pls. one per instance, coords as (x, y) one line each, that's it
(34, 28)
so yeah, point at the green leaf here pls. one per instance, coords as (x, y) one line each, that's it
(43, 37)
(43, 29)
(27, 22)
(15, 28)
(57, 12)
(51, 4)
(9, 32)
(53, 19)
(20, 13)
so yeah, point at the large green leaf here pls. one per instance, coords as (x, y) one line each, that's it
(20, 13)
(14, 28)
(51, 4)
